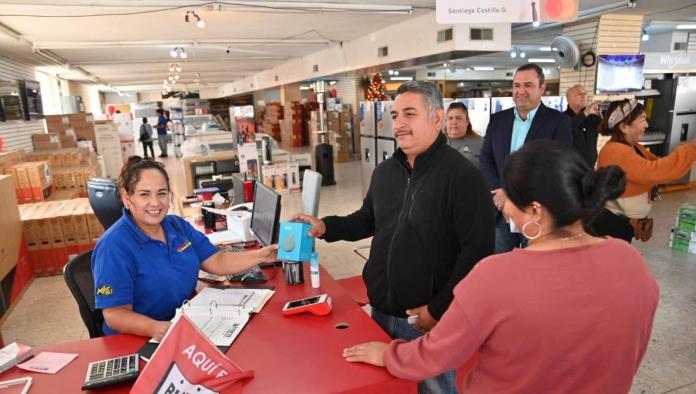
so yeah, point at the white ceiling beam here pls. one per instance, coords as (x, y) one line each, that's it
(189, 60)
(254, 6)
(181, 43)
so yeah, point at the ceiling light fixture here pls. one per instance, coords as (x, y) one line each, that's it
(523, 54)
(686, 27)
(199, 22)
(401, 78)
(645, 36)
(178, 52)
(545, 49)
(536, 23)
(541, 60)
(513, 53)
(483, 68)
(391, 72)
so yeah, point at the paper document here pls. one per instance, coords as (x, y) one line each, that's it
(222, 327)
(48, 362)
(250, 300)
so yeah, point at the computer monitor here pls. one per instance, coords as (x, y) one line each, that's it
(265, 216)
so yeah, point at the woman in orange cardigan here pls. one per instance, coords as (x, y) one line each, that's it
(626, 122)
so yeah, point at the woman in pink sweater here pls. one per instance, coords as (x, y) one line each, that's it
(571, 313)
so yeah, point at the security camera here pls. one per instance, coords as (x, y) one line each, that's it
(228, 50)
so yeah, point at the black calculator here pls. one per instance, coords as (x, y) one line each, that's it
(111, 371)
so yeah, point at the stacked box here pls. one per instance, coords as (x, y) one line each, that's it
(55, 230)
(45, 141)
(8, 158)
(270, 118)
(683, 237)
(74, 178)
(65, 157)
(83, 124)
(293, 125)
(33, 179)
(57, 123)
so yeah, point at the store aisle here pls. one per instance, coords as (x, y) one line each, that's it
(47, 312)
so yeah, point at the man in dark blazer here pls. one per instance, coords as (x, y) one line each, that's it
(507, 131)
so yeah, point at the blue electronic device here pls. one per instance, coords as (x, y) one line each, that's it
(293, 242)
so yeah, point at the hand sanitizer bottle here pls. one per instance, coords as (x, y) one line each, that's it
(314, 269)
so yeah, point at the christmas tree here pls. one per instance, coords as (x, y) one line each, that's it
(377, 91)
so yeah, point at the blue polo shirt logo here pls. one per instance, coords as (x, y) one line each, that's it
(183, 246)
(105, 290)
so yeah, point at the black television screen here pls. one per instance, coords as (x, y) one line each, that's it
(619, 73)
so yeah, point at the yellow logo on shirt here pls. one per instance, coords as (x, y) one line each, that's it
(105, 290)
(183, 246)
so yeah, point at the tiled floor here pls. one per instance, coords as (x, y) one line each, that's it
(47, 312)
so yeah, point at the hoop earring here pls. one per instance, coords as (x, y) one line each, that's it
(538, 234)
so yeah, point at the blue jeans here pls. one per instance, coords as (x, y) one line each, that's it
(505, 240)
(399, 328)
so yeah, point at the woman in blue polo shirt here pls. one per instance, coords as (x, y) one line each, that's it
(147, 263)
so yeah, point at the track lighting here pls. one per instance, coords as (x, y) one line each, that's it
(645, 36)
(199, 22)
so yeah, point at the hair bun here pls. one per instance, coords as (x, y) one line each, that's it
(607, 183)
(588, 184)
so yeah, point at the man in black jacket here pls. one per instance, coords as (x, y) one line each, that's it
(430, 214)
(584, 121)
(508, 131)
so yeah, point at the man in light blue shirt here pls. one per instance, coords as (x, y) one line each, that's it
(508, 131)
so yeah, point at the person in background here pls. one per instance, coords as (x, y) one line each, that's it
(430, 215)
(584, 120)
(508, 131)
(550, 318)
(146, 138)
(625, 122)
(461, 135)
(147, 263)
(162, 132)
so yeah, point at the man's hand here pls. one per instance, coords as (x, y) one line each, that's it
(499, 198)
(159, 329)
(369, 352)
(318, 227)
(425, 320)
(592, 109)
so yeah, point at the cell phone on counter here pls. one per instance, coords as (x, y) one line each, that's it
(317, 305)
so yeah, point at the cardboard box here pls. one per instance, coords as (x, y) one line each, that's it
(686, 217)
(21, 178)
(40, 179)
(68, 141)
(9, 158)
(45, 141)
(67, 221)
(31, 236)
(63, 195)
(10, 242)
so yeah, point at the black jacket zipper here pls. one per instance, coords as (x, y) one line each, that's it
(396, 230)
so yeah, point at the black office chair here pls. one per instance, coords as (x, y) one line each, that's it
(78, 277)
(105, 200)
